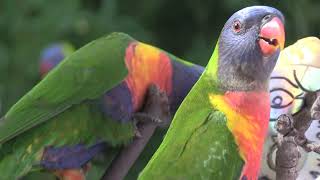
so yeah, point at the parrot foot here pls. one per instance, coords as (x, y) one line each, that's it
(143, 118)
(155, 110)
(154, 113)
(70, 174)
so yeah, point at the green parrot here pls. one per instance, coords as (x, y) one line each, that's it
(219, 130)
(86, 105)
(50, 57)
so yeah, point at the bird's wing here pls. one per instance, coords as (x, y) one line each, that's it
(85, 75)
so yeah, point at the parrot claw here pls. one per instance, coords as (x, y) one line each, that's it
(144, 118)
(155, 110)
(137, 132)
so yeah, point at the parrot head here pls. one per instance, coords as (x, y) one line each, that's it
(247, 51)
(52, 55)
(249, 45)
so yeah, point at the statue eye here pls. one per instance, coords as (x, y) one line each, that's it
(237, 26)
(280, 98)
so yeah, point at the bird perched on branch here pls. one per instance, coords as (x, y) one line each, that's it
(219, 130)
(87, 104)
(51, 56)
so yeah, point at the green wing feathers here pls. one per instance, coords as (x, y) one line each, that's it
(80, 77)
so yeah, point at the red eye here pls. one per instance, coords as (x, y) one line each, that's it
(236, 26)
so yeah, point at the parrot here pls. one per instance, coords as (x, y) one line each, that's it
(86, 105)
(219, 129)
(52, 55)
(293, 86)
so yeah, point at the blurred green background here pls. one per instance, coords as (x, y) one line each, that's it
(187, 29)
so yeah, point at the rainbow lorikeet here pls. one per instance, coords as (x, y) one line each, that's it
(86, 105)
(218, 131)
(52, 55)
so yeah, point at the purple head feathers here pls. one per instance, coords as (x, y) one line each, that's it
(53, 55)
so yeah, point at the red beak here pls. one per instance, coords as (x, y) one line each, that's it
(272, 36)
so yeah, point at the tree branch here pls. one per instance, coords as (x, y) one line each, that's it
(128, 155)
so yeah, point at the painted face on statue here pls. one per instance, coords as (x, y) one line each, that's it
(297, 73)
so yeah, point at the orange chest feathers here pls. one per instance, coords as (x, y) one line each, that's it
(247, 118)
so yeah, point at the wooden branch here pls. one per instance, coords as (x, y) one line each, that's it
(128, 155)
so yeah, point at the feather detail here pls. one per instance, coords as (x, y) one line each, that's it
(248, 117)
(146, 65)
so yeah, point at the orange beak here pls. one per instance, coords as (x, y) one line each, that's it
(272, 36)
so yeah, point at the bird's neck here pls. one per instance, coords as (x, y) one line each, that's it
(248, 116)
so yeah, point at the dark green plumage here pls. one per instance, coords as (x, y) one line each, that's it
(79, 78)
(62, 108)
(89, 98)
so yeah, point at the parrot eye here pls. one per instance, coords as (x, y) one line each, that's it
(237, 26)
(266, 18)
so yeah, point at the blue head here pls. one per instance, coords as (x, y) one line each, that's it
(52, 55)
(249, 46)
